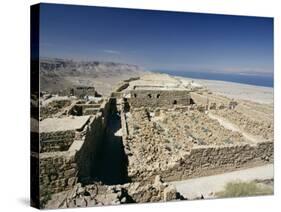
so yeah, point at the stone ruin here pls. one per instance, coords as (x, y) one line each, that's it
(68, 149)
(127, 148)
(84, 92)
(157, 96)
(80, 91)
(191, 138)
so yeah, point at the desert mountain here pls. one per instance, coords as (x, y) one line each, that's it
(58, 74)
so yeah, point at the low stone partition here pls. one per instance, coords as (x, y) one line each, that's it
(198, 98)
(91, 111)
(209, 160)
(53, 107)
(56, 141)
(209, 101)
(83, 109)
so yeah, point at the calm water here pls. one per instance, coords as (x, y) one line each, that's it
(258, 80)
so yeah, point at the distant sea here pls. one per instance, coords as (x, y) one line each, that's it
(258, 80)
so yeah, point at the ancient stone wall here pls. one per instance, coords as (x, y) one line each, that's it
(108, 108)
(79, 91)
(87, 157)
(203, 161)
(209, 160)
(159, 98)
(212, 160)
(90, 111)
(60, 170)
(53, 108)
(83, 109)
(209, 101)
(199, 99)
(56, 141)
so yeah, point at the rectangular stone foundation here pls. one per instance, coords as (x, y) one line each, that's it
(198, 161)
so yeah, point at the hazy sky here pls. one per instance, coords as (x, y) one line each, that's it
(158, 40)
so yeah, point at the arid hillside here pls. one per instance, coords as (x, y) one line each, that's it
(59, 74)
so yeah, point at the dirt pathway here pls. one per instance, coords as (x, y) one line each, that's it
(228, 125)
(196, 187)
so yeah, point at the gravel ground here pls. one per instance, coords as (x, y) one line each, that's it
(194, 188)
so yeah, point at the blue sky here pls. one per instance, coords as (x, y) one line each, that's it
(158, 40)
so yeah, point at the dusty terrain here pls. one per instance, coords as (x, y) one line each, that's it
(253, 93)
(208, 186)
(60, 74)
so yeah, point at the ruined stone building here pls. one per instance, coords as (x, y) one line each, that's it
(83, 91)
(166, 129)
(145, 131)
(158, 96)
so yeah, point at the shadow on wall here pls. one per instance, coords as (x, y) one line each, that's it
(109, 164)
(114, 160)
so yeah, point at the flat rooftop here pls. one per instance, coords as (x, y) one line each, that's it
(63, 124)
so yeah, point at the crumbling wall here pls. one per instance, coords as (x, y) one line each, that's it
(53, 107)
(210, 101)
(209, 160)
(203, 161)
(159, 98)
(89, 154)
(56, 141)
(82, 91)
(84, 109)
(58, 172)
(91, 111)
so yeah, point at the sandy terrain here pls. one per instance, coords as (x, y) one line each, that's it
(236, 90)
(193, 188)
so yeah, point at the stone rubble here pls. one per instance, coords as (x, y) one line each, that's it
(98, 194)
